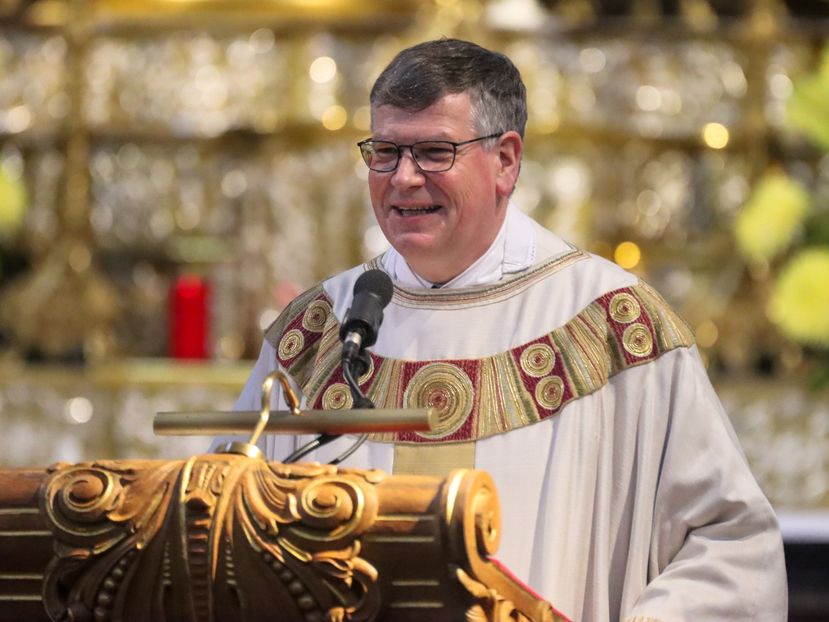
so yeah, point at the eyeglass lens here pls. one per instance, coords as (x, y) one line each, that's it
(431, 156)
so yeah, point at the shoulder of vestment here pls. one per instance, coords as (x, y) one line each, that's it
(477, 398)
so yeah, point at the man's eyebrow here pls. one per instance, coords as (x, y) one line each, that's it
(446, 138)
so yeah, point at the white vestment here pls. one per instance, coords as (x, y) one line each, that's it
(624, 493)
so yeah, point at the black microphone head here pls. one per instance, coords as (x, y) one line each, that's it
(375, 282)
(372, 293)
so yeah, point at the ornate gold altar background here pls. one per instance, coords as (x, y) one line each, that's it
(145, 140)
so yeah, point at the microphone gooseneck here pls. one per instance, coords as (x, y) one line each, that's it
(372, 293)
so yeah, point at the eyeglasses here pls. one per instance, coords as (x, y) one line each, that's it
(431, 156)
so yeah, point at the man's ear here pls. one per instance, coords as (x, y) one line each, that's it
(510, 150)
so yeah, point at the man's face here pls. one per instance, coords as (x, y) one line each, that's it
(442, 222)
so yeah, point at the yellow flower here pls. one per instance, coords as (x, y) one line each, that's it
(799, 302)
(769, 220)
(806, 109)
(12, 204)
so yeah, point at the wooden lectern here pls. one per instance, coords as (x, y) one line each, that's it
(226, 537)
(231, 537)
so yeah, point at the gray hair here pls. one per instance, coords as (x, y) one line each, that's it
(421, 75)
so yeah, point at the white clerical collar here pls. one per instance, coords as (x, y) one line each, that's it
(513, 250)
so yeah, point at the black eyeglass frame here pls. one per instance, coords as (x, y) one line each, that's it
(365, 154)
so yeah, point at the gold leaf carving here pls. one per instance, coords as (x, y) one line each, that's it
(163, 541)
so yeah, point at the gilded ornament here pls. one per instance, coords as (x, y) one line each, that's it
(304, 521)
(447, 390)
(337, 397)
(624, 308)
(637, 340)
(316, 316)
(538, 360)
(549, 392)
(291, 344)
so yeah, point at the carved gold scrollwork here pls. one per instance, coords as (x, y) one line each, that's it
(169, 541)
(471, 511)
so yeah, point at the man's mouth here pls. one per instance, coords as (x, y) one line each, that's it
(416, 211)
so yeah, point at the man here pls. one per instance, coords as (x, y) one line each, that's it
(623, 489)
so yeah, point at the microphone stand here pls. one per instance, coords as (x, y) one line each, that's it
(373, 290)
(360, 364)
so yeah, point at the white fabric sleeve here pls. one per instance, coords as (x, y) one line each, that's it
(716, 551)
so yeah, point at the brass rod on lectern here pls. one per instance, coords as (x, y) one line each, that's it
(358, 421)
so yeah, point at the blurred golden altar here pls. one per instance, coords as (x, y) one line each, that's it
(145, 142)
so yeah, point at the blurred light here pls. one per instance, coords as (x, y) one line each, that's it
(671, 102)
(715, 135)
(362, 118)
(58, 106)
(78, 410)
(648, 202)
(627, 255)
(548, 123)
(129, 156)
(12, 164)
(592, 60)
(262, 40)
(707, 334)
(570, 181)
(323, 69)
(234, 184)
(231, 347)
(780, 86)
(18, 119)
(582, 98)
(648, 98)
(334, 118)
(734, 79)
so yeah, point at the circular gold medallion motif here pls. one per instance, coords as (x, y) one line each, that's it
(291, 344)
(538, 360)
(447, 390)
(337, 397)
(624, 308)
(316, 316)
(549, 392)
(637, 340)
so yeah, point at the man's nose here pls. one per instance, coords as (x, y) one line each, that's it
(407, 172)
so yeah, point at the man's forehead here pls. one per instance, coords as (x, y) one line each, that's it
(444, 118)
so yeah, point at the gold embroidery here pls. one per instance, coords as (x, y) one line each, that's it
(584, 353)
(291, 344)
(538, 360)
(316, 316)
(549, 392)
(337, 397)
(445, 388)
(624, 308)
(297, 307)
(637, 340)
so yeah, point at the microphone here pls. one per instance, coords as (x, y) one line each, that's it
(372, 292)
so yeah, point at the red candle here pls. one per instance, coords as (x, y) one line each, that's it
(189, 317)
